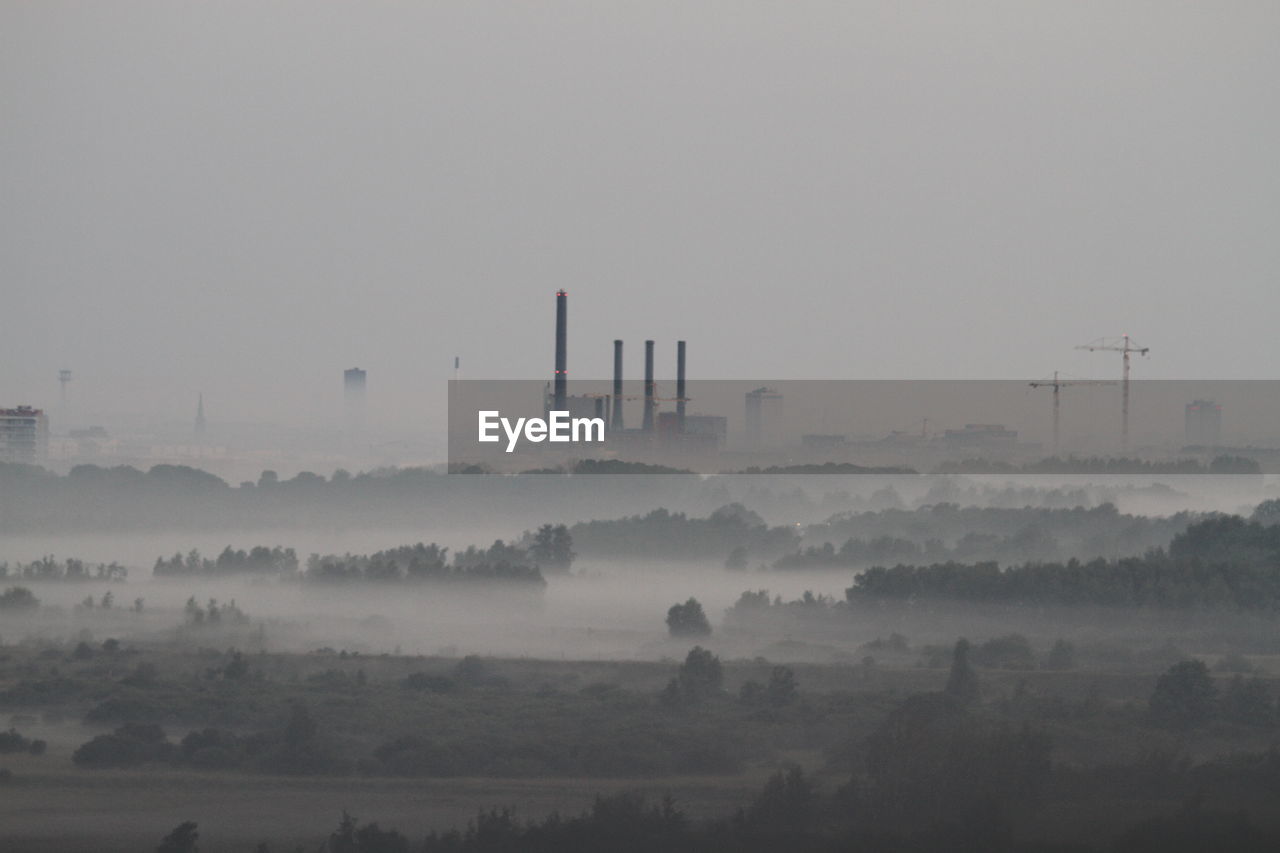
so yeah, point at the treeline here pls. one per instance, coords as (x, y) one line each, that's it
(936, 775)
(50, 569)
(1223, 464)
(474, 724)
(92, 497)
(947, 530)
(1219, 562)
(498, 562)
(259, 560)
(550, 547)
(1031, 543)
(662, 534)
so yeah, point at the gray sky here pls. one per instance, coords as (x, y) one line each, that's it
(245, 198)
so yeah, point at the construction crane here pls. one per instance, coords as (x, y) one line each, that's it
(1057, 385)
(1124, 345)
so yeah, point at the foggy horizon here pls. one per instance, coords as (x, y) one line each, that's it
(243, 201)
(872, 550)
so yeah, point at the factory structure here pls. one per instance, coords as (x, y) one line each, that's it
(750, 426)
(670, 432)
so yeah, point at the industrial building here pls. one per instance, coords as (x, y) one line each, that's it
(675, 430)
(981, 437)
(24, 435)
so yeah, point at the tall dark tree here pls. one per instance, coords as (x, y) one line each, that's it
(1184, 696)
(962, 683)
(552, 547)
(688, 620)
(700, 677)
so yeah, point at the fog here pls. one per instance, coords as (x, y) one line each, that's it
(608, 607)
(245, 605)
(242, 202)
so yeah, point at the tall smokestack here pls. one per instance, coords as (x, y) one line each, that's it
(648, 386)
(617, 385)
(680, 385)
(562, 346)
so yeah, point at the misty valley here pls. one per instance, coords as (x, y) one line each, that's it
(641, 662)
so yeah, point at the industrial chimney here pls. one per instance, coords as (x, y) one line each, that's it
(562, 344)
(617, 385)
(680, 386)
(648, 386)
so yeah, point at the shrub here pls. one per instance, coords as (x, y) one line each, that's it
(1184, 696)
(688, 620)
(19, 599)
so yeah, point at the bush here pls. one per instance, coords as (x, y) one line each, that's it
(428, 682)
(688, 620)
(700, 677)
(129, 746)
(1012, 651)
(1061, 657)
(11, 742)
(19, 599)
(1248, 702)
(1184, 696)
(181, 840)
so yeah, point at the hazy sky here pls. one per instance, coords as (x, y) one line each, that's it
(245, 198)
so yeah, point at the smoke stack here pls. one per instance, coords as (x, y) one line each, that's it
(562, 345)
(617, 385)
(680, 385)
(648, 386)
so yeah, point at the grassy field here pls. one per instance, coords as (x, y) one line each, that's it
(49, 803)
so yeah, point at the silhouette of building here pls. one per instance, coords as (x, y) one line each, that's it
(1203, 424)
(353, 390)
(763, 417)
(24, 435)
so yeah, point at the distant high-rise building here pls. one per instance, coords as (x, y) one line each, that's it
(353, 388)
(763, 417)
(24, 435)
(1203, 424)
(353, 383)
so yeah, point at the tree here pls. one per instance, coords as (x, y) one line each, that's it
(938, 769)
(1184, 696)
(784, 807)
(181, 840)
(699, 677)
(350, 837)
(553, 547)
(781, 689)
(1012, 651)
(688, 620)
(18, 598)
(237, 669)
(1248, 702)
(962, 684)
(1061, 657)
